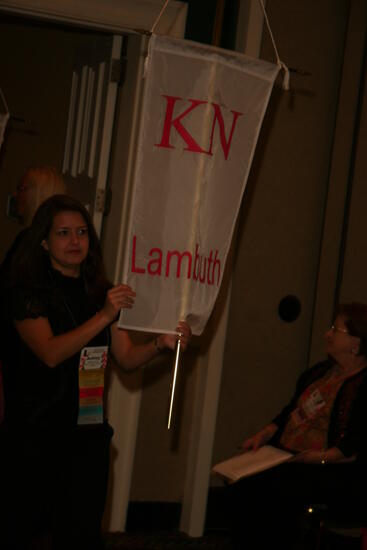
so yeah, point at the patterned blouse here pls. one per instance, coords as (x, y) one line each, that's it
(308, 424)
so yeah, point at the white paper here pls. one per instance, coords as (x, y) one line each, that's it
(251, 462)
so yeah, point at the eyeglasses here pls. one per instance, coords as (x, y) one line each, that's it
(337, 329)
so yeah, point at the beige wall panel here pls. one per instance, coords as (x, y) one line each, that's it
(354, 271)
(341, 167)
(161, 454)
(281, 222)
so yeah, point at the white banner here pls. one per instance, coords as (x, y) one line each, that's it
(202, 112)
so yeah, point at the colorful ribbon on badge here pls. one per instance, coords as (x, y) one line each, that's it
(92, 364)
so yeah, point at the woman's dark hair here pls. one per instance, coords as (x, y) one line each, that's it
(30, 264)
(355, 319)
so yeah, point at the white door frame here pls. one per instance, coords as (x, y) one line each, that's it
(112, 15)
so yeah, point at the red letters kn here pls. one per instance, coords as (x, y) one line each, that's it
(191, 143)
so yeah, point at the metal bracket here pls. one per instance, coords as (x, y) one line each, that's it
(100, 200)
(103, 201)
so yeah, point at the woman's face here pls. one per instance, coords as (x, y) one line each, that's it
(338, 340)
(67, 242)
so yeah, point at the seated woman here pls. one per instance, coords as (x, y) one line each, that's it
(55, 432)
(324, 426)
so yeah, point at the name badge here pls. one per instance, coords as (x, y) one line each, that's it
(309, 408)
(314, 403)
(92, 365)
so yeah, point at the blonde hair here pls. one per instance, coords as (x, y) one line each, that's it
(41, 183)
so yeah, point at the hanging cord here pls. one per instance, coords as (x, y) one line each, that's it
(5, 105)
(146, 62)
(282, 65)
(159, 16)
(4, 116)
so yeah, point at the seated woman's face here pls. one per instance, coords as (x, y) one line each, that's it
(67, 242)
(338, 340)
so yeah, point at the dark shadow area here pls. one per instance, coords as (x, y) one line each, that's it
(200, 23)
(155, 526)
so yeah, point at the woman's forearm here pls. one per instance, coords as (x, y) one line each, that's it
(130, 356)
(54, 349)
(334, 454)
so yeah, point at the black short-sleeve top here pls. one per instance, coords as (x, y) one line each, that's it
(36, 395)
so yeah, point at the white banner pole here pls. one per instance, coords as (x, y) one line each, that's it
(174, 378)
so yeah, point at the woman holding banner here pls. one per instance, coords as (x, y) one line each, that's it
(64, 311)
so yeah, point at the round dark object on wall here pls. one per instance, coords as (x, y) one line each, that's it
(289, 308)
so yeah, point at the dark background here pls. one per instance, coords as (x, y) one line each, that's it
(201, 21)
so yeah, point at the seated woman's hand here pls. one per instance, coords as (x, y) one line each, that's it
(331, 455)
(260, 438)
(310, 457)
(168, 341)
(118, 297)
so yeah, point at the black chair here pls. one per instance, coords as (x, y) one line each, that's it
(323, 529)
